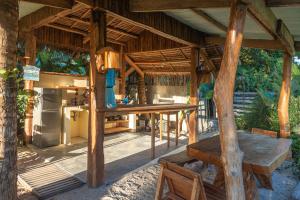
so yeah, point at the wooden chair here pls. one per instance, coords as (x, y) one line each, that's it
(264, 132)
(185, 184)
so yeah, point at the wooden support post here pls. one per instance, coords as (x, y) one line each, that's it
(160, 126)
(193, 119)
(223, 96)
(168, 128)
(95, 171)
(123, 74)
(30, 56)
(152, 135)
(176, 129)
(283, 104)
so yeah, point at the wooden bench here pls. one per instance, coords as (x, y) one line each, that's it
(184, 184)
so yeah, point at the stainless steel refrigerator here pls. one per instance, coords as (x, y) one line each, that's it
(47, 117)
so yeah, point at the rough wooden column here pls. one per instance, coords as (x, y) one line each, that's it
(141, 90)
(8, 91)
(283, 104)
(193, 119)
(95, 171)
(223, 96)
(123, 74)
(30, 56)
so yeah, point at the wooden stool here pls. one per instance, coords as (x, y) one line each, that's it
(168, 127)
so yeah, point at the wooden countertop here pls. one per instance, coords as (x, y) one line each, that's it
(149, 108)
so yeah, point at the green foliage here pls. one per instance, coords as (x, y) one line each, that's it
(58, 61)
(22, 95)
(207, 90)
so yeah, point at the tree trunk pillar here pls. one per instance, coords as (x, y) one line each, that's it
(95, 171)
(30, 56)
(194, 100)
(223, 96)
(123, 74)
(8, 91)
(283, 104)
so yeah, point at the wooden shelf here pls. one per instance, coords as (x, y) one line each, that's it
(117, 121)
(115, 130)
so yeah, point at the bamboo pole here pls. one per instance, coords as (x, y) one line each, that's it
(123, 74)
(95, 169)
(223, 96)
(30, 56)
(193, 119)
(283, 104)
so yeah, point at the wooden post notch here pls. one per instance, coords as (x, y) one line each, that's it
(283, 104)
(95, 169)
(223, 96)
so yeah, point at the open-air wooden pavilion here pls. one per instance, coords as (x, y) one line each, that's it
(166, 38)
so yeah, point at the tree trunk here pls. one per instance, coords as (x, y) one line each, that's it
(283, 104)
(8, 112)
(194, 100)
(95, 171)
(223, 96)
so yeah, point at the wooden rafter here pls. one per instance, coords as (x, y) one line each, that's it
(165, 62)
(265, 16)
(54, 3)
(281, 3)
(44, 16)
(129, 71)
(132, 64)
(210, 19)
(251, 43)
(68, 29)
(158, 23)
(122, 32)
(163, 5)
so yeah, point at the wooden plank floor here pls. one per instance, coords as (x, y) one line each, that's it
(47, 180)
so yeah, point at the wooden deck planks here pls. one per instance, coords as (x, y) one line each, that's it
(47, 180)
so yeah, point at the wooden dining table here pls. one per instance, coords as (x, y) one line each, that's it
(262, 155)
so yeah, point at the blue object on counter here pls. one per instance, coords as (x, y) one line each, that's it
(110, 78)
(125, 100)
(110, 99)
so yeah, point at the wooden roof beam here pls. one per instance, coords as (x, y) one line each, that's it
(68, 29)
(251, 43)
(210, 19)
(54, 3)
(163, 5)
(157, 23)
(38, 18)
(122, 32)
(265, 17)
(129, 71)
(43, 16)
(297, 46)
(282, 3)
(132, 64)
(169, 62)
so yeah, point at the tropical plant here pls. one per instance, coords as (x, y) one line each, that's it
(59, 61)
